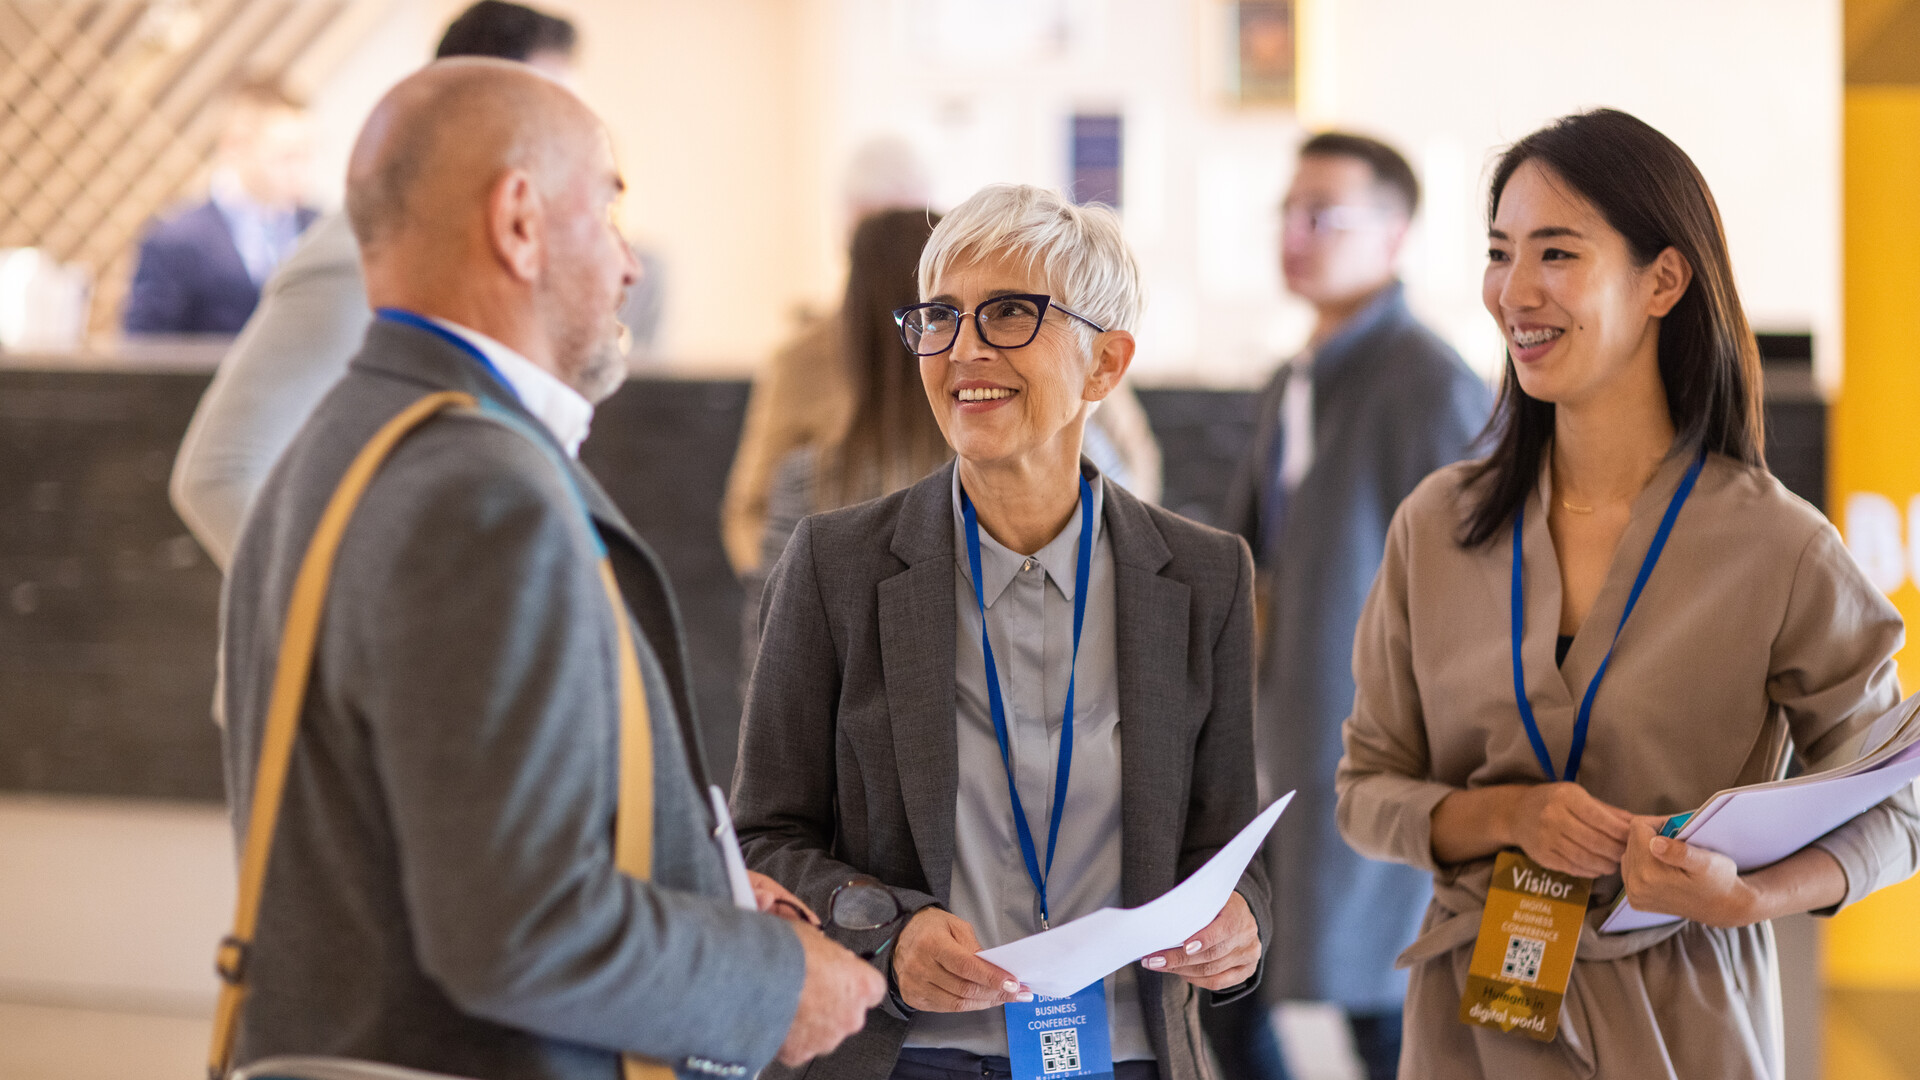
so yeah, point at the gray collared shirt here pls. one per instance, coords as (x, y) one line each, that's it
(1030, 622)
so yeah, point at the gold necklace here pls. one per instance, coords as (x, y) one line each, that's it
(1576, 508)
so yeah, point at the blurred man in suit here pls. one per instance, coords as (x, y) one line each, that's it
(200, 271)
(312, 317)
(452, 887)
(1375, 402)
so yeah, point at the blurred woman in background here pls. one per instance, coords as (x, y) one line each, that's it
(882, 436)
(889, 438)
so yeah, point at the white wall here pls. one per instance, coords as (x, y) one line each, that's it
(711, 113)
(735, 119)
(1200, 180)
(1749, 88)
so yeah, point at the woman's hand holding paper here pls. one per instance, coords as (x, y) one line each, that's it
(936, 969)
(1671, 877)
(1222, 955)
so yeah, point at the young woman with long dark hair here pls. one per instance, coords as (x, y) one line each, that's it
(1517, 690)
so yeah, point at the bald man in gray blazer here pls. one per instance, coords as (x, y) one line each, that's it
(444, 892)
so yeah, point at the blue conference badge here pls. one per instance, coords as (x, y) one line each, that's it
(1057, 1038)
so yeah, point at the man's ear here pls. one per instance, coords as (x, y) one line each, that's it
(1672, 273)
(1112, 355)
(516, 224)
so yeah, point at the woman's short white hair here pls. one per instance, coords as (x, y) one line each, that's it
(1079, 250)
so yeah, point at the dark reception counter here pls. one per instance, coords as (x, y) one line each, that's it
(108, 608)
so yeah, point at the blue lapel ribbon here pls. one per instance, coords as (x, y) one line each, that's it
(997, 705)
(1579, 744)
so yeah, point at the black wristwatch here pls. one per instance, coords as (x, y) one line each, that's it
(893, 990)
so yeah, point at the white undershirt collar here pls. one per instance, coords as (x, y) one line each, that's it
(560, 407)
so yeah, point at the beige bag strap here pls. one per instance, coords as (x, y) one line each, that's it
(633, 825)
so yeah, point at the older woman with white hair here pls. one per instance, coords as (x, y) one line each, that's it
(1011, 694)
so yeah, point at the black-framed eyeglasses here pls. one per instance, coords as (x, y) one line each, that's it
(863, 905)
(1009, 321)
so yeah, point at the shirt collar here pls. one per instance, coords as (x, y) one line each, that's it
(226, 192)
(560, 407)
(263, 236)
(1059, 559)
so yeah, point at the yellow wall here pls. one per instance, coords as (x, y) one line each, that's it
(1876, 421)
(1873, 949)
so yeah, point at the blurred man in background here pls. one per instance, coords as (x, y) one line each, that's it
(512, 32)
(1345, 431)
(312, 317)
(200, 271)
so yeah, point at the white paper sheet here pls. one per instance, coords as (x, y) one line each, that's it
(1071, 956)
(723, 835)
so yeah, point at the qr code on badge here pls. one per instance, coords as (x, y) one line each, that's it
(1060, 1051)
(1523, 959)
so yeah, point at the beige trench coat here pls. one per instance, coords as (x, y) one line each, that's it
(1755, 611)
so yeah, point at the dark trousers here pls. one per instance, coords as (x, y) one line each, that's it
(1244, 1040)
(917, 1063)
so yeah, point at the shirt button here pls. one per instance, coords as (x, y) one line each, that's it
(1025, 566)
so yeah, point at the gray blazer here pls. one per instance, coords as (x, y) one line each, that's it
(443, 893)
(848, 748)
(1392, 403)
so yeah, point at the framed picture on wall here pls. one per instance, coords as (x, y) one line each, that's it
(1264, 52)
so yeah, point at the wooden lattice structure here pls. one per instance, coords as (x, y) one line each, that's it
(110, 109)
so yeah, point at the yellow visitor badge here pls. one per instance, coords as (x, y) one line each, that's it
(1524, 956)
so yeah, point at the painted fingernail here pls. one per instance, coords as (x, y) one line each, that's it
(1154, 962)
(1010, 987)
(1192, 947)
(1023, 997)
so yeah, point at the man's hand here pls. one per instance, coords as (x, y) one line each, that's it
(774, 899)
(1563, 828)
(839, 989)
(935, 965)
(1224, 954)
(1665, 876)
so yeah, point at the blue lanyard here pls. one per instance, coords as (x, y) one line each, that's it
(999, 707)
(1579, 745)
(421, 322)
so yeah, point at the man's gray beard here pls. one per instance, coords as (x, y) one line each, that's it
(603, 371)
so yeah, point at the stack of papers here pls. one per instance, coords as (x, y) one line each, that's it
(1072, 956)
(1761, 824)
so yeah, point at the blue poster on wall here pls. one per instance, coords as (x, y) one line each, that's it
(1095, 160)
